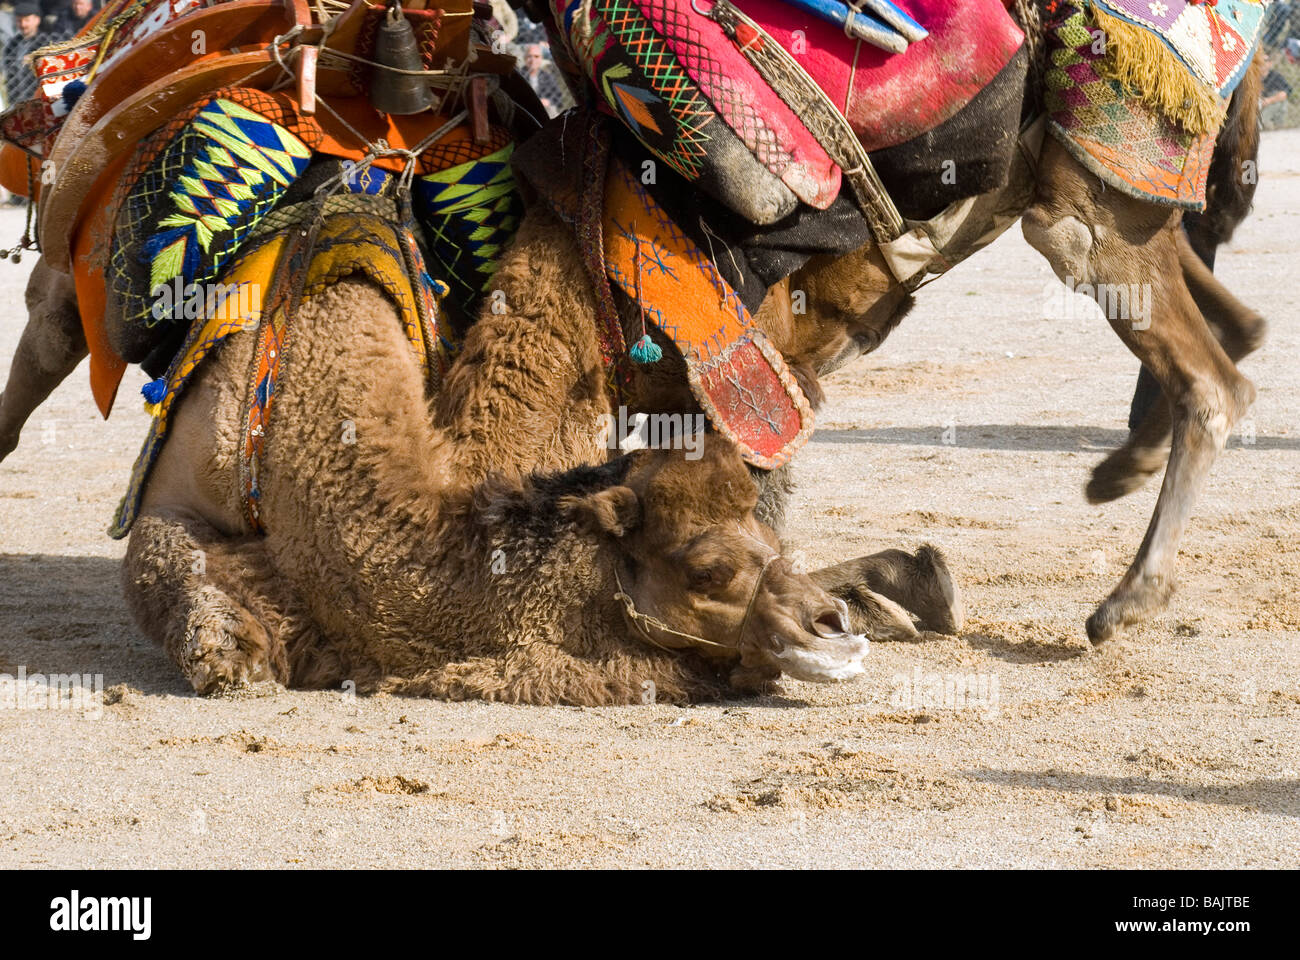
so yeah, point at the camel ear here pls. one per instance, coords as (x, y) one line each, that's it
(615, 511)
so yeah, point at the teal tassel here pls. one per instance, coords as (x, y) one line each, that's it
(645, 350)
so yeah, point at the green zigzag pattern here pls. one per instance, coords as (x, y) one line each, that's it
(669, 79)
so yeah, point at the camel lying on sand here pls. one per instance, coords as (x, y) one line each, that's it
(475, 545)
(1095, 235)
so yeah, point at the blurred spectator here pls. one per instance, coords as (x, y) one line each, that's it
(7, 26)
(1274, 92)
(20, 81)
(545, 80)
(530, 32)
(1281, 20)
(74, 16)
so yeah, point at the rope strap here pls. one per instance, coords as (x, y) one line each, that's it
(643, 621)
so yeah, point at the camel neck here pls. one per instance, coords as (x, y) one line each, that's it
(525, 559)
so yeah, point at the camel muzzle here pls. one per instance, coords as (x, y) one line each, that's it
(827, 652)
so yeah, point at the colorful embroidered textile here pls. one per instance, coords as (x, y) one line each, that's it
(132, 23)
(140, 21)
(469, 213)
(687, 93)
(484, 230)
(738, 377)
(891, 98)
(1214, 40)
(29, 126)
(1128, 143)
(55, 70)
(751, 108)
(691, 93)
(385, 253)
(226, 315)
(186, 215)
(560, 163)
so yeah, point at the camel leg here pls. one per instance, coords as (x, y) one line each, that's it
(875, 585)
(1238, 328)
(1104, 237)
(179, 575)
(543, 673)
(51, 346)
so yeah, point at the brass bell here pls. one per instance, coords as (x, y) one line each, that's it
(392, 92)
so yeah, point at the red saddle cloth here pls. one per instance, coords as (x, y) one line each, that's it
(889, 98)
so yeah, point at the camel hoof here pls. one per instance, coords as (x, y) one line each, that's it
(878, 617)
(225, 647)
(943, 610)
(1127, 606)
(1120, 474)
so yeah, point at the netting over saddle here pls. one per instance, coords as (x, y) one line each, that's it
(746, 99)
(203, 185)
(169, 132)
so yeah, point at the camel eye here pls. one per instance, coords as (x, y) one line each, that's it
(710, 577)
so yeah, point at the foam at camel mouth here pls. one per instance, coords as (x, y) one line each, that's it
(835, 655)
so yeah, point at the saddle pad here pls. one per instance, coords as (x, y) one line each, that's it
(890, 98)
(1214, 40)
(202, 186)
(1183, 59)
(737, 376)
(1128, 143)
(680, 85)
(469, 212)
(371, 245)
(690, 94)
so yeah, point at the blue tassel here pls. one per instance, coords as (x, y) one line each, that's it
(72, 92)
(645, 350)
(154, 390)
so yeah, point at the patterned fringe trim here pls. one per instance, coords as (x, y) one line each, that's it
(1142, 62)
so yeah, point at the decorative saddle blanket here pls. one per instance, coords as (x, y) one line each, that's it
(647, 272)
(737, 376)
(718, 105)
(153, 174)
(1137, 91)
(293, 265)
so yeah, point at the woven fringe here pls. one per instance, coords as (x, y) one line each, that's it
(1148, 69)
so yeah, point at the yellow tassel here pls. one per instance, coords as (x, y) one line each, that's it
(1140, 61)
(152, 409)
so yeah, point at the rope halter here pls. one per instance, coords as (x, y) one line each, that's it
(643, 622)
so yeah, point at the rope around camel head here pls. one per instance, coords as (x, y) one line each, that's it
(642, 621)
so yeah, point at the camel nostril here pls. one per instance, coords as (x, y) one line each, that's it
(830, 623)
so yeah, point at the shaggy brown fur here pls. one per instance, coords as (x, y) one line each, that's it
(420, 554)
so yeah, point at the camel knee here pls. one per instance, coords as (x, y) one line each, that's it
(1251, 334)
(1066, 242)
(1217, 407)
(217, 642)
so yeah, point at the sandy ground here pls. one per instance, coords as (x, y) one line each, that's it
(1173, 747)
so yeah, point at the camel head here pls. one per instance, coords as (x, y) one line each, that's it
(694, 569)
